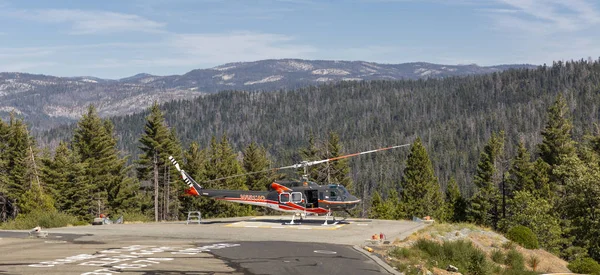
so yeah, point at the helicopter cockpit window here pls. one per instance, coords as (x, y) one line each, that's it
(344, 192)
(334, 195)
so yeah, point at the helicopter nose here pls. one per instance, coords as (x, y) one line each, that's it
(353, 198)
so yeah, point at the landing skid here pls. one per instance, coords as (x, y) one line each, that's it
(292, 221)
(327, 219)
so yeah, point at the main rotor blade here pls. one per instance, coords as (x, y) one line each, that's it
(309, 163)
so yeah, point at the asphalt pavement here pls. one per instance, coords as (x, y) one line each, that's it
(261, 245)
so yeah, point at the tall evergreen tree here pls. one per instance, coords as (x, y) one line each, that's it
(195, 165)
(255, 160)
(557, 142)
(581, 201)
(4, 136)
(222, 162)
(556, 135)
(456, 205)
(66, 181)
(154, 143)
(173, 186)
(105, 171)
(421, 195)
(312, 152)
(520, 172)
(56, 174)
(486, 204)
(17, 154)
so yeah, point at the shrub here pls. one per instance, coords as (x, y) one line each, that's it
(497, 256)
(45, 219)
(585, 266)
(523, 236)
(515, 260)
(461, 254)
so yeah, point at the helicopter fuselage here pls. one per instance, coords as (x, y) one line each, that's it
(297, 197)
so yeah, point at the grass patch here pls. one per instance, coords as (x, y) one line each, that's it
(509, 245)
(400, 253)
(136, 217)
(515, 260)
(533, 262)
(498, 256)
(43, 219)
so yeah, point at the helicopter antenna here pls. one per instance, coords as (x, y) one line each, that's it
(305, 164)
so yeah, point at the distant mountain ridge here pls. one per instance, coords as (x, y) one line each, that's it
(48, 101)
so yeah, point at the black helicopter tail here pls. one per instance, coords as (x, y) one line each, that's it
(195, 188)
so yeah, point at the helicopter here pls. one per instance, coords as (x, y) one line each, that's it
(299, 197)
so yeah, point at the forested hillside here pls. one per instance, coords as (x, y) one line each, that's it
(453, 116)
(48, 101)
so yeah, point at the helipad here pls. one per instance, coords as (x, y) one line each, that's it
(297, 225)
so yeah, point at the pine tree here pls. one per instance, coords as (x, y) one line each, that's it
(486, 204)
(255, 160)
(171, 201)
(556, 135)
(520, 172)
(421, 194)
(56, 173)
(536, 214)
(540, 175)
(580, 203)
(381, 209)
(557, 143)
(456, 205)
(17, 154)
(222, 162)
(4, 136)
(105, 171)
(154, 143)
(310, 153)
(66, 181)
(594, 140)
(195, 165)
(338, 171)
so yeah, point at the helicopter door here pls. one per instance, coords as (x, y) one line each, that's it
(312, 198)
(284, 197)
(296, 197)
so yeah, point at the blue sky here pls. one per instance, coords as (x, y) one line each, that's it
(119, 38)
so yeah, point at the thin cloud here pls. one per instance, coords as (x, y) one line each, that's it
(23, 66)
(236, 46)
(181, 51)
(91, 22)
(545, 16)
